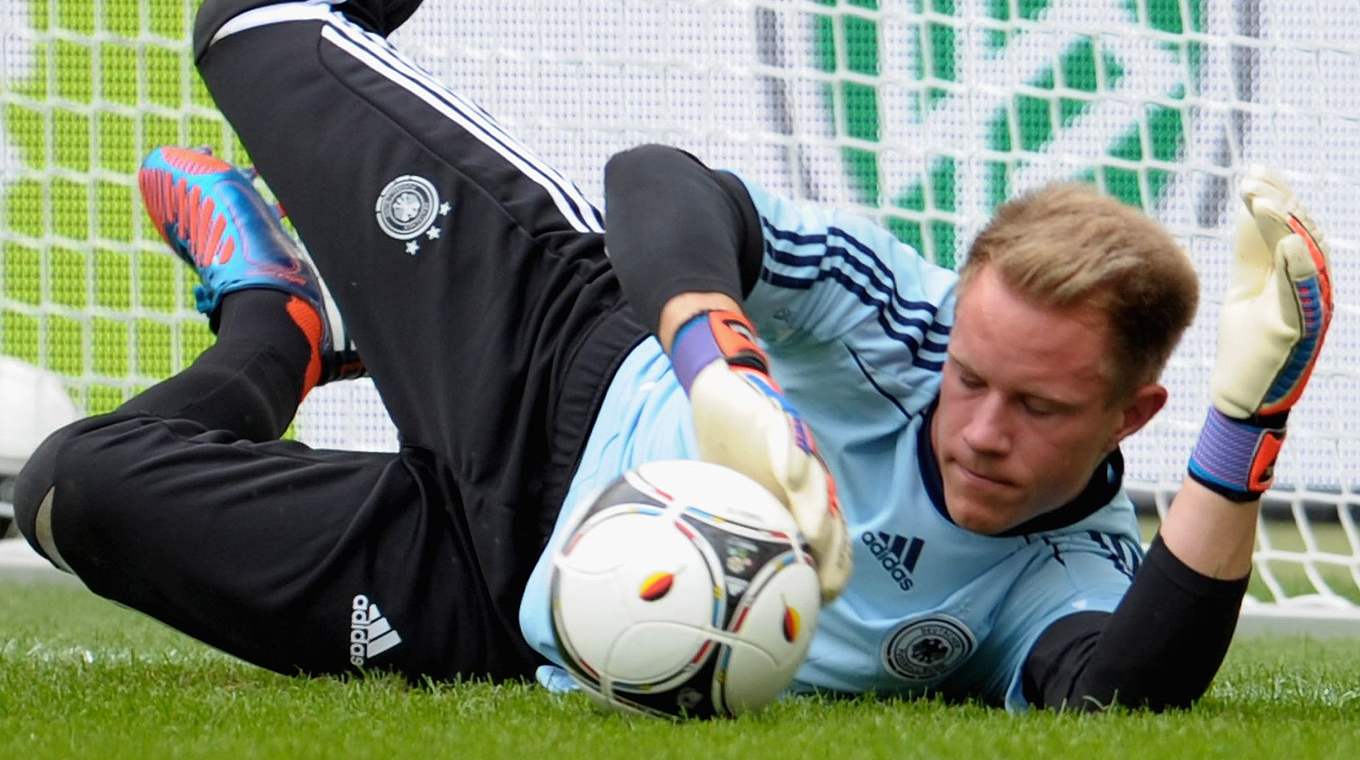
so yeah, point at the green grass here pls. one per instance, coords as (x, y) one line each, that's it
(80, 677)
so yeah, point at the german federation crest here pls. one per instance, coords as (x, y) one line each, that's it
(924, 650)
(408, 208)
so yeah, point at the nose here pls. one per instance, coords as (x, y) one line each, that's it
(988, 430)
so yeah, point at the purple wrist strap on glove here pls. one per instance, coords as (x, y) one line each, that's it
(1236, 458)
(694, 348)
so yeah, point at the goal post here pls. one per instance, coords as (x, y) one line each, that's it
(923, 114)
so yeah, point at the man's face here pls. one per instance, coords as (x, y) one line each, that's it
(1025, 411)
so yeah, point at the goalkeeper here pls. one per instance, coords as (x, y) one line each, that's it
(965, 505)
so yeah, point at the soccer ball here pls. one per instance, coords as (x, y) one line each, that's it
(685, 590)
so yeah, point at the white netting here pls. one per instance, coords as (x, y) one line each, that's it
(921, 113)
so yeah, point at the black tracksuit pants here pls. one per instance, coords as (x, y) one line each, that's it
(473, 279)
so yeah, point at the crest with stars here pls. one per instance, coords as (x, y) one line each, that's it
(409, 209)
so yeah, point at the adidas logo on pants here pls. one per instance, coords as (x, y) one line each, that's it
(369, 632)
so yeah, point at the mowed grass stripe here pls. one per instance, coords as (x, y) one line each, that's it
(82, 677)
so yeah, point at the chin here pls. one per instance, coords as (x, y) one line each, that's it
(980, 523)
(979, 516)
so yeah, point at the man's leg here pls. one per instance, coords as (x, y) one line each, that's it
(181, 504)
(296, 560)
(382, 16)
(471, 276)
(462, 264)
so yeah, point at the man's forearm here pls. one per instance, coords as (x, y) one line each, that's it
(1212, 535)
(1160, 648)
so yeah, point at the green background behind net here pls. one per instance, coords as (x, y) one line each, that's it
(87, 289)
(86, 284)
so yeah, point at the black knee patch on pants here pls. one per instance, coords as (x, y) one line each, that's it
(380, 16)
(74, 466)
(212, 14)
(37, 478)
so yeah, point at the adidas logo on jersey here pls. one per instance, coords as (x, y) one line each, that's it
(896, 554)
(369, 632)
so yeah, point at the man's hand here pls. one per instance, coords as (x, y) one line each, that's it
(743, 421)
(1277, 309)
(1274, 319)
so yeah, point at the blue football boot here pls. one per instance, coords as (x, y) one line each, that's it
(212, 216)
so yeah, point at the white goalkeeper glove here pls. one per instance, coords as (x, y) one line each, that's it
(1274, 319)
(743, 421)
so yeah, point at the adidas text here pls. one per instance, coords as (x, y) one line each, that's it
(369, 632)
(896, 554)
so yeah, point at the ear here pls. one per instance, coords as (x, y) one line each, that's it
(1146, 401)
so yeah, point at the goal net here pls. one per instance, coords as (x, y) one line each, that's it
(923, 114)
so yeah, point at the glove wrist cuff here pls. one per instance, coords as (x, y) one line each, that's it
(709, 336)
(1236, 458)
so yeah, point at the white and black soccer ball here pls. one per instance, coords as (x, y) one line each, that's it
(685, 590)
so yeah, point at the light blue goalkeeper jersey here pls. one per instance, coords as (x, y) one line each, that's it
(856, 325)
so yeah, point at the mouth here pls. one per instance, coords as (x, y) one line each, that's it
(981, 480)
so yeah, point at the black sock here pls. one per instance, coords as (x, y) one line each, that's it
(250, 381)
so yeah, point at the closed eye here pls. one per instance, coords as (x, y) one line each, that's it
(1036, 408)
(967, 377)
(969, 380)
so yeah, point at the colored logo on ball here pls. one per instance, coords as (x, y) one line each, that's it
(656, 586)
(791, 624)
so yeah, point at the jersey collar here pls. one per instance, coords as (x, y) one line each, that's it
(1105, 482)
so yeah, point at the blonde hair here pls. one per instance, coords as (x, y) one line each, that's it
(1067, 246)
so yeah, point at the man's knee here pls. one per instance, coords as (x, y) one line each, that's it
(214, 14)
(62, 474)
(33, 493)
(380, 16)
